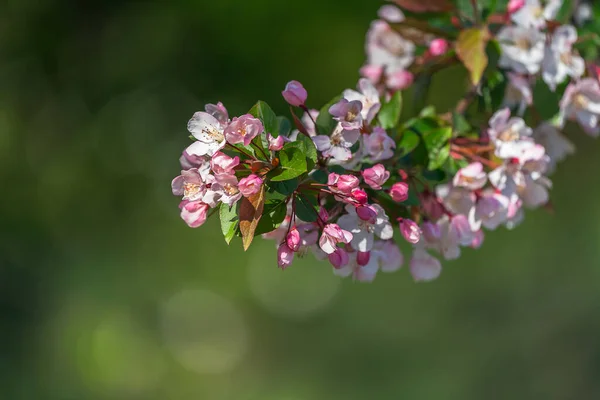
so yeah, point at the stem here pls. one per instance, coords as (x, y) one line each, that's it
(232, 147)
(257, 147)
(476, 11)
(466, 101)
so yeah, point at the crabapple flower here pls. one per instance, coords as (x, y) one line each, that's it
(219, 112)
(375, 176)
(557, 146)
(343, 184)
(190, 184)
(387, 48)
(559, 61)
(438, 47)
(518, 93)
(391, 13)
(510, 135)
(491, 210)
(275, 143)
(295, 94)
(194, 213)
(378, 145)
(361, 273)
(368, 96)
(243, 129)
(472, 177)
(400, 80)
(581, 103)
(348, 113)
(388, 255)
(221, 163)
(424, 267)
(331, 236)
(399, 192)
(522, 49)
(337, 146)
(225, 189)
(364, 230)
(410, 230)
(209, 132)
(250, 185)
(285, 256)
(531, 14)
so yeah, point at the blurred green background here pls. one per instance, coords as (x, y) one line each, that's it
(106, 294)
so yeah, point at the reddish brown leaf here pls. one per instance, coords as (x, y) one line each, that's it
(251, 210)
(426, 5)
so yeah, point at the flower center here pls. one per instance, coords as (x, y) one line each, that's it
(566, 58)
(580, 101)
(230, 189)
(509, 135)
(214, 134)
(523, 43)
(191, 189)
(351, 116)
(537, 12)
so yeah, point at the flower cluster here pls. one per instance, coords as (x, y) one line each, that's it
(340, 180)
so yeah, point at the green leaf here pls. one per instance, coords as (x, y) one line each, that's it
(389, 116)
(262, 111)
(229, 221)
(460, 124)
(292, 164)
(305, 145)
(546, 101)
(281, 189)
(285, 126)
(470, 49)
(273, 216)
(319, 176)
(325, 122)
(408, 142)
(438, 148)
(428, 112)
(306, 208)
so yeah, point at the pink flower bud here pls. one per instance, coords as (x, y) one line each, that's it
(295, 94)
(431, 232)
(194, 213)
(347, 183)
(360, 196)
(403, 174)
(438, 47)
(250, 185)
(399, 192)
(275, 143)
(363, 258)
(372, 73)
(410, 230)
(221, 163)
(333, 179)
(285, 256)
(293, 239)
(514, 6)
(367, 213)
(400, 80)
(323, 215)
(339, 258)
(375, 176)
(332, 235)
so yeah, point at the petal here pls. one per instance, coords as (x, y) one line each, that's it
(362, 241)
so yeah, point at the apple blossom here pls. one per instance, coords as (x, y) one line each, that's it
(295, 94)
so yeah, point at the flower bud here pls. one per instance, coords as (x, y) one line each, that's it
(514, 6)
(363, 258)
(293, 239)
(367, 213)
(360, 196)
(339, 258)
(438, 47)
(410, 230)
(295, 94)
(250, 185)
(347, 183)
(375, 176)
(400, 80)
(399, 192)
(275, 143)
(285, 256)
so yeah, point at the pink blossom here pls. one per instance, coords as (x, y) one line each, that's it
(293, 239)
(410, 230)
(189, 161)
(581, 103)
(209, 132)
(399, 192)
(375, 176)
(190, 185)
(285, 256)
(193, 213)
(438, 47)
(368, 95)
(338, 258)
(515, 5)
(364, 231)
(295, 94)
(400, 80)
(225, 189)
(424, 267)
(250, 185)
(221, 163)
(472, 177)
(478, 239)
(347, 183)
(360, 196)
(332, 235)
(462, 229)
(275, 143)
(243, 129)
(337, 146)
(348, 113)
(391, 13)
(219, 112)
(388, 255)
(372, 72)
(378, 145)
